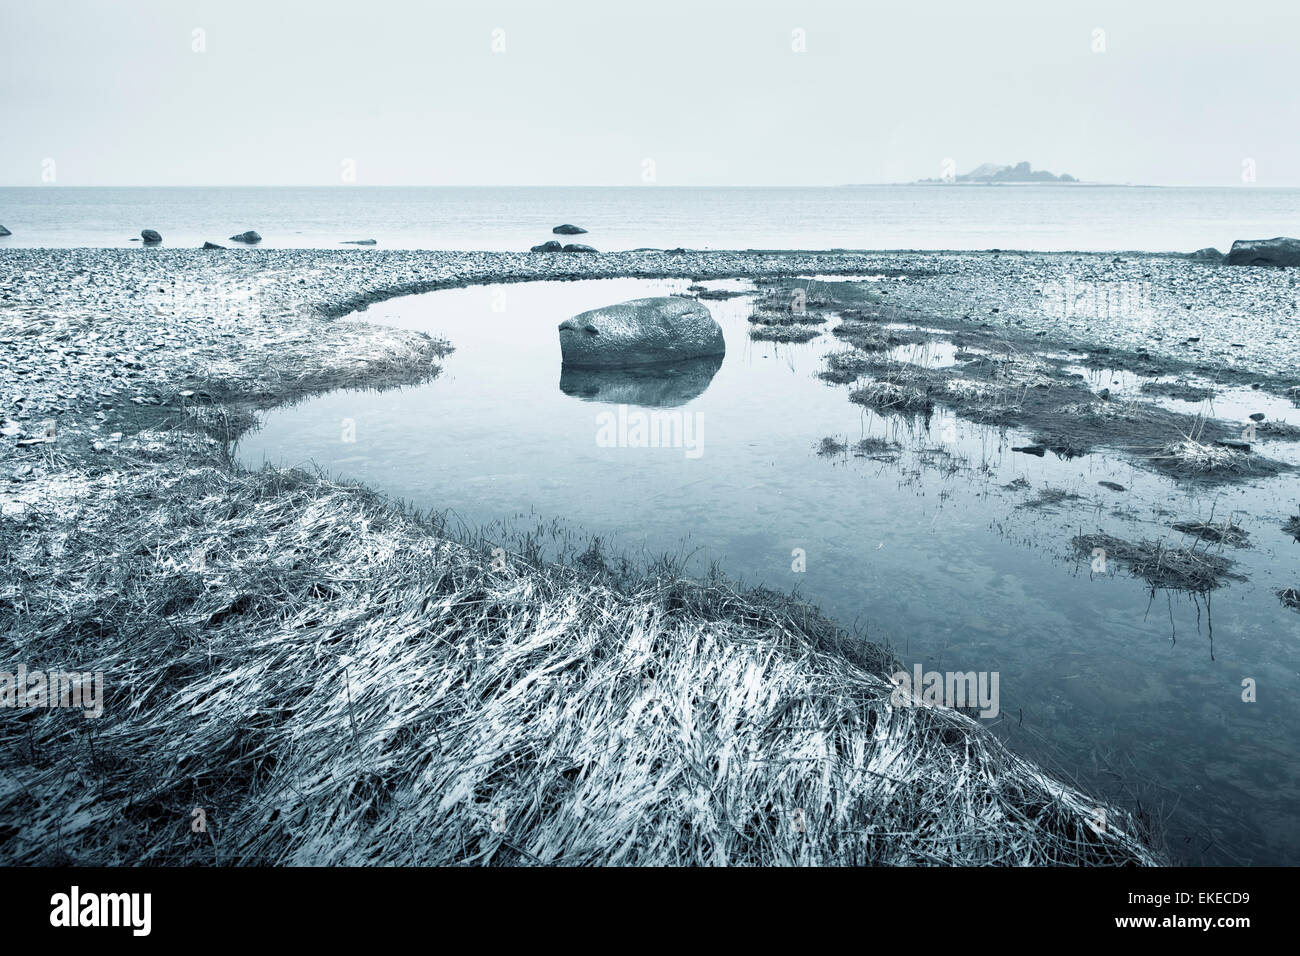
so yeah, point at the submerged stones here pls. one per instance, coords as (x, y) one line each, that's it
(577, 247)
(640, 332)
(1280, 251)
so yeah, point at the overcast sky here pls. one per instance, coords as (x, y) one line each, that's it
(413, 93)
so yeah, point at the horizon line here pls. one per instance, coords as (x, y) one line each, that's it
(1072, 185)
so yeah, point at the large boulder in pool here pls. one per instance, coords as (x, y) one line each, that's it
(250, 236)
(1265, 252)
(150, 235)
(568, 229)
(640, 332)
(5, 232)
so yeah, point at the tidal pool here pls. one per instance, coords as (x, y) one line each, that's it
(1134, 694)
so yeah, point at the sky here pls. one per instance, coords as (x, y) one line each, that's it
(571, 92)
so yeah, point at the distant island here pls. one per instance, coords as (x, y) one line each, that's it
(993, 173)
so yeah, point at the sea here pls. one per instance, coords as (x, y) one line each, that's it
(1041, 217)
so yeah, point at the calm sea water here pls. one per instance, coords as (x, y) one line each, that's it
(1043, 217)
(1135, 695)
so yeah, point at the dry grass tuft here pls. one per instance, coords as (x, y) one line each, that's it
(336, 682)
(961, 391)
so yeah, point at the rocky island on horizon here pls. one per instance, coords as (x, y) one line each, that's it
(1021, 172)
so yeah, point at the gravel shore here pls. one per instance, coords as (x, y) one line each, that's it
(83, 326)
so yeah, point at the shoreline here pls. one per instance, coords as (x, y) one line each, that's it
(273, 332)
(1008, 288)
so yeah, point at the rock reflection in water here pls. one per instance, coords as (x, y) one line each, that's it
(653, 386)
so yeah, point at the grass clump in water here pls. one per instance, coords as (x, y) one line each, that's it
(783, 333)
(1225, 532)
(765, 317)
(1278, 431)
(1189, 458)
(1050, 497)
(879, 449)
(888, 396)
(1180, 389)
(844, 367)
(866, 336)
(1161, 566)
